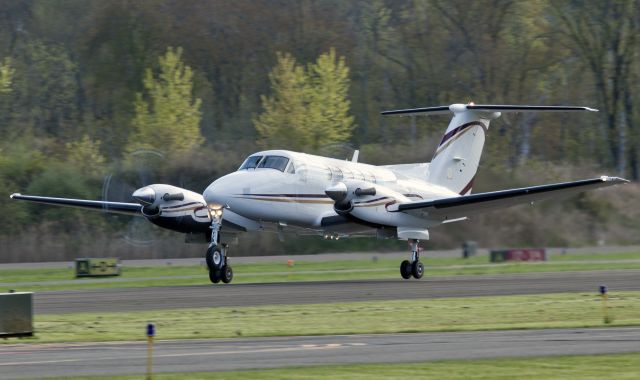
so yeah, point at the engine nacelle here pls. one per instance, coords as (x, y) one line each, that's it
(367, 203)
(174, 208)
(344, 194)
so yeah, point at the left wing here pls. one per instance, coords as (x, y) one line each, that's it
(458, 207)
(111, 207)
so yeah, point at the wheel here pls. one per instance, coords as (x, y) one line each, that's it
(213, 257)
(214, 276)
(227, 274)
(405, 269)
(417, 269)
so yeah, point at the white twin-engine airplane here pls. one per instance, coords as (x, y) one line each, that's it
(281, 191)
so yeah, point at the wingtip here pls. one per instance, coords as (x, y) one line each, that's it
(14, 195)
(591, 109)
(616, 180)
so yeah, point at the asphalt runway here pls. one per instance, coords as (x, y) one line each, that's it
(176, 297)
(48, 360)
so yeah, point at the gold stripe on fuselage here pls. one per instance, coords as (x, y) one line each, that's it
(287, 200)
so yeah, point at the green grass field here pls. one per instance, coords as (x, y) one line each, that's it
(446, 314)
(63, 279)
(588, 367)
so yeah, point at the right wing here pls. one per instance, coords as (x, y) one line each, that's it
(459, 207)
(111, 207)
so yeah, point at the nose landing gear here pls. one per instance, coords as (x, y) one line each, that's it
(218, 264)
(216, 257)
(414, 267)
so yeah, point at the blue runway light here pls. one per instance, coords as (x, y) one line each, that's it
(151, 330)
(603, 289)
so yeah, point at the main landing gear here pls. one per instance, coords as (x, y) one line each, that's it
(414, 267)
(216, 257)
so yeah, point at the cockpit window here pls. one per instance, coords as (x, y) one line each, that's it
(274, 162)
(250, 163)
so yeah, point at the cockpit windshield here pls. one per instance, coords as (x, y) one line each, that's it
(274, 162)
(250, 163)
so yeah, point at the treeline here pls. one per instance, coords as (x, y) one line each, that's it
(100, 97)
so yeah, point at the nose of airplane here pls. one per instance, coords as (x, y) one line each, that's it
(223, 189)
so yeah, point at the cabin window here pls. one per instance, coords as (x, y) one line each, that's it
(347, 174)
(274, 162)
(369, 177)
(250, 163)
(336, 174)
(291, 168)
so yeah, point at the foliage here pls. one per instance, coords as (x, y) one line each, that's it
(45, 87)
(6, 75)
(168, 118)
(84, 155)
(308, 108)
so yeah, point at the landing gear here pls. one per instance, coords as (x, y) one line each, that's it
(227, 274)
(214, 275)
(405, 269)
(216, 257)
(414, 267)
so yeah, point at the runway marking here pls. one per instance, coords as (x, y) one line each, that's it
(202, 353)
(41, 362)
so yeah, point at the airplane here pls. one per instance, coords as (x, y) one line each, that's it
(284, 191)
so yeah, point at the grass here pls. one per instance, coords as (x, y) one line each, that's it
(63, 279)
(587, 367)
(567, 310)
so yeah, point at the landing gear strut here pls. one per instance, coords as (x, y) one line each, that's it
(414, 267)
(216, 257)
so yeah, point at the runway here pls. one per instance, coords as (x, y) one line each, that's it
(176, 297)
(47, 360)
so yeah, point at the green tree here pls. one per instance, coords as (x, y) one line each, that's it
(6, 76)
(328, 100)
(84, 155)
(605, 37)
(167, 117)
(44, 91)
(307, 108)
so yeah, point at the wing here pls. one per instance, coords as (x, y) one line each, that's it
(111, 207)
(458, 207)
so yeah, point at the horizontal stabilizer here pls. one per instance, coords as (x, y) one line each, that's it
(457, 207)
(443, 110)
(111, 207)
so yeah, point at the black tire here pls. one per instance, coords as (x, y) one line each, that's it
(405, 269)
(214, 276)
(227, 274)
(213, 257)
(417, 269)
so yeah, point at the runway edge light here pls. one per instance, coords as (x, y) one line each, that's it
(605, 307)
(151, 331)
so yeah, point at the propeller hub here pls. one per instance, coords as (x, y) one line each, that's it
(145, 196)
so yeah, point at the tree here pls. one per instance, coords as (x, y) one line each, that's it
(44, 91)
(167, 117)
(6, 76)
(307, 108)
(604, 36)
(85, 156)
(328, 108)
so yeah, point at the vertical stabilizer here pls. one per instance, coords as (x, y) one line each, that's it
(455, 162)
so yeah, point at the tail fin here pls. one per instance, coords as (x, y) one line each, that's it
(455, 162)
